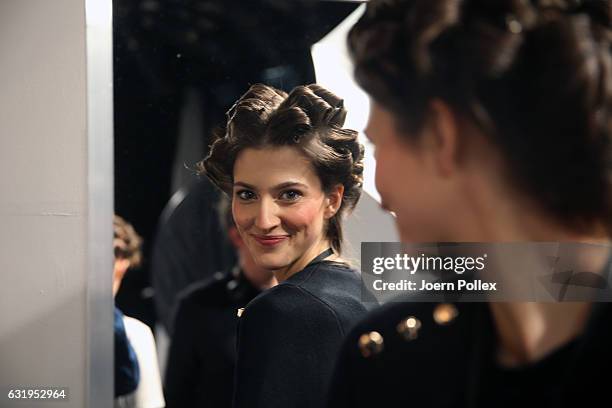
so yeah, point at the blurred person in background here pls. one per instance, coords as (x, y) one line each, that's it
(126, 369)
(148, 390)
(202, 357)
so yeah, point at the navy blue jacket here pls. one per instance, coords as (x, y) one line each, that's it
(202, 355)
(451, 363)
(290, 335)
(127, 372)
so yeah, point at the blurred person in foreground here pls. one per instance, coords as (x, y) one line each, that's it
(491, 122)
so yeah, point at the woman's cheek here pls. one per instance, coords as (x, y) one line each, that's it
(384, 168)
(303, 216)
(241, 217)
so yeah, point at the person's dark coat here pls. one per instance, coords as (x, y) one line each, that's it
(190, 246)
(290, 335)
(202, 356)
(446, 357)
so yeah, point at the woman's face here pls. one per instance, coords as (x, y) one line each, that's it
(279, 207)
(407, 180)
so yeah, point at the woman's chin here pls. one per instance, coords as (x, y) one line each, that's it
(271, 262)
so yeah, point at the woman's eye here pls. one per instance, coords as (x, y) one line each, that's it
(290, 195)
(245, 195)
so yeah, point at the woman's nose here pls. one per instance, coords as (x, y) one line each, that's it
(267, 217)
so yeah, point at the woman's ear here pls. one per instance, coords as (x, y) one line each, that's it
(334, 201)
(444, 128)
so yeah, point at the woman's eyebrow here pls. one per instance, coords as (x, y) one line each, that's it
(243, 184)
(290, 184)
(280, 186)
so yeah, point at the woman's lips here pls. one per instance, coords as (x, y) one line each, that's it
(270, 240)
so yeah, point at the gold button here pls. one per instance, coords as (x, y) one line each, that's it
(445, 313)
(409, 328)
(371, 344)
(513, 25)
(240, 311)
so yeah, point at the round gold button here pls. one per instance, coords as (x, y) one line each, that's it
(409, 328)
(445, 313)
(513, 25)
(371, 343)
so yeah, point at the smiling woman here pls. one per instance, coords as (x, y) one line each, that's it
(280, 208)
(293, 173)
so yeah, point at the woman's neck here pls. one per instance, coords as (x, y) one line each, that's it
(260, 278)
(300, 263)
(528, 331)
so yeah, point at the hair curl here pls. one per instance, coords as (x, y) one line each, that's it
(535, 76)
(310, 118)
(126, 242)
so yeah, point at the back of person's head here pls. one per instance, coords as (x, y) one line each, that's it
(309, 118)
(126, 242)
(535, 77)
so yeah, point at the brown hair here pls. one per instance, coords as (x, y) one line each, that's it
(534, 76)
(310, 118)
(126, 242)
(224, 211)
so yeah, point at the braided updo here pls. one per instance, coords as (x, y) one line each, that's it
(310, 118)
(534, 76)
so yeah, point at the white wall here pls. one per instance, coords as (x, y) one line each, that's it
(46, 212)
(334, 70)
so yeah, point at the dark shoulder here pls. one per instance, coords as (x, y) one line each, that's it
(424, 346)
(288, 312)
(329, 271)
(208, 292)
(337, 283)
(322, 292)
(419, 331)
(304, 287)
(329, 281)
(284, 298)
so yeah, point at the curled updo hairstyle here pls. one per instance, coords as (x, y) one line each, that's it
(534, 76)
(310, 118)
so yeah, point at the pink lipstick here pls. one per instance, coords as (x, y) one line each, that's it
(270, 240)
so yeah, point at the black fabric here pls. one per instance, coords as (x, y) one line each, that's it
(202, 356)
(321, 257)
(454, 365)
(537, 384)
(289, 337)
